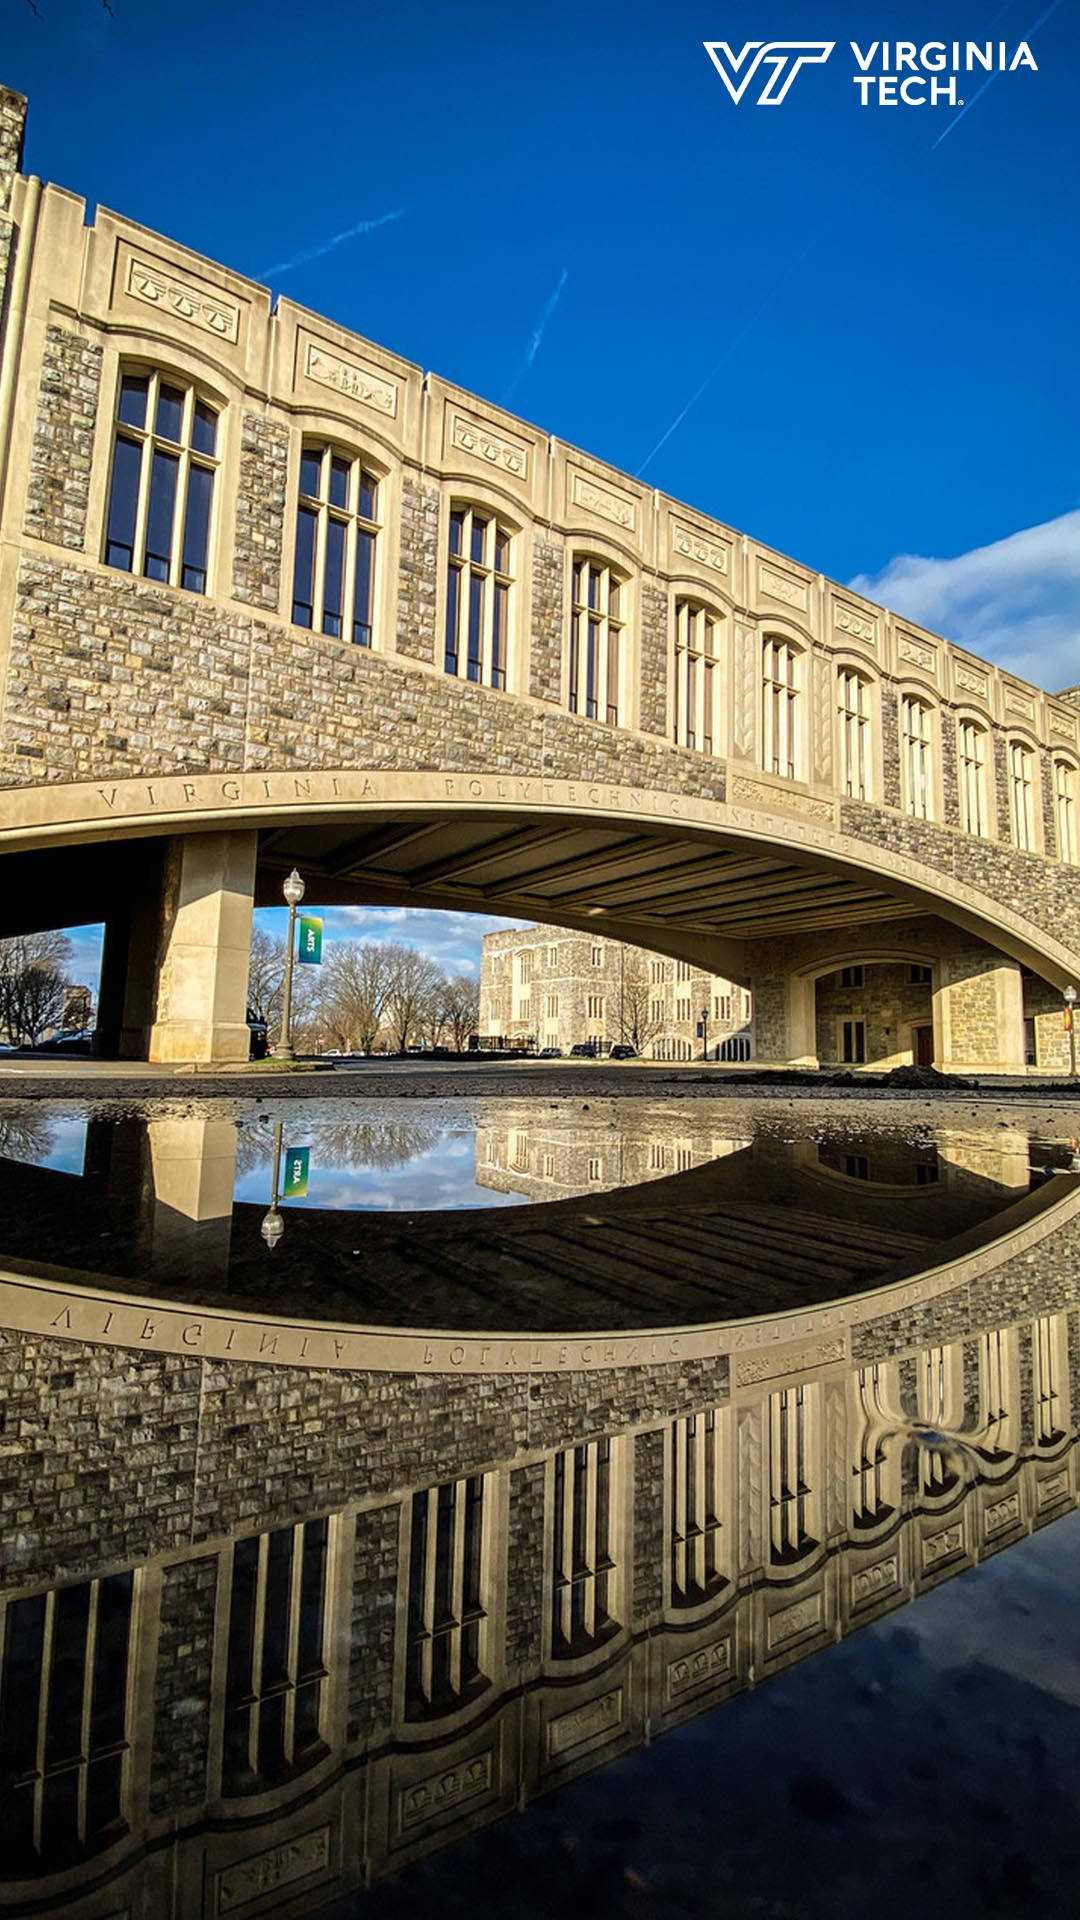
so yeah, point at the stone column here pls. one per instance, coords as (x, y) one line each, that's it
(129, 953)
(205, 949)
(979, 1013)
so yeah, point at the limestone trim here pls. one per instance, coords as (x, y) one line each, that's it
(83, 1306)
(40, 816)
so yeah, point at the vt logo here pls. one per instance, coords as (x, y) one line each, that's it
(782, 58)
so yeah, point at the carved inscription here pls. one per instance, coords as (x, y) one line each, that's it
(789, 1621)
(497, 449)
(207, 311)
(273, 1870)
(695, 546)
(941, 1545)
(443, 1791)
(778, 586)
(764, 1366)
(870, 1582)
(348, 377)
(585, 1723)
(708, 1663)
(601, 500)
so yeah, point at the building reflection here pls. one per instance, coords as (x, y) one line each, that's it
(319, 1691)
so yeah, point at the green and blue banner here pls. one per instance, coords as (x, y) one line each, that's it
(310, 953)
(297, 1162)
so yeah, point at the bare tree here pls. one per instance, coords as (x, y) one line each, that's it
(415, 980)
(266, 973)
(635, 1021)
(33, 980)
(353, 993)
(461, 1008)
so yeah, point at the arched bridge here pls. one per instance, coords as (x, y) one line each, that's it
(270, 595)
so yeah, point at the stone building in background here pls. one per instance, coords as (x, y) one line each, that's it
(550, 987)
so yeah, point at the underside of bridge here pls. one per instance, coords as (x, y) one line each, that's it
(776, 916)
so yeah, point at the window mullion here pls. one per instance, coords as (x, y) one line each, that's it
(48, 1630)
(258, 1629)
(179, 510)
(431, 1549)
(293, 1641)
(457, 1583)
(318, 584)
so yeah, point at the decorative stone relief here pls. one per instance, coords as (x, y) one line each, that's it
(780, 586)
(871, 1582)
(859, 625)
(697, 546)
(940, 1546)
(766, 1366)
(915, 653)
(496, 449)
(351, 378)
(789, 1621)
(1003, 1513)
(755, 793)
(584, 1723)
(822, 718)
(1019, 702)
(750, 1489)
(747, 679)
(1056, 1487)
(686, 1675)
(603, 501)
(270, 1872)
(442, 1790)
(970, 681)
(159, 287)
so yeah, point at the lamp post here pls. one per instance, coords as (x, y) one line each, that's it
(293, 890)
(272, 1225)
(705, 1032)
(1069, 998)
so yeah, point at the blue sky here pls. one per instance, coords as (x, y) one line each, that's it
(585, 226)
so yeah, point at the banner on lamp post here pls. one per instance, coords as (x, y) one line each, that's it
(310, 953)
(297, 1162)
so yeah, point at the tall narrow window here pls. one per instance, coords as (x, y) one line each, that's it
(853, 1042)
(1048, 1351)
(696, 1525)
(915, 749)
(64, 1758)
(972, 771)
(1065, 809)
(780, 710)
(336, 529)
(162, 483)
(1021, 796)
(853, 705)
(583, 1601)
(870, 1502)
(477, 598)
(447, 1619)
(276, 1678)
(994, 1379)
(789, 1475)
(596, 630)
(697, 676)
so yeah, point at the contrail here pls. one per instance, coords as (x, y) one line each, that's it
(327, 246)
(538, 335)
(724, 358)
(991, 77)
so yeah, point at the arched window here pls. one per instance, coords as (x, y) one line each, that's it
(1065, 809)
(916, 757)
(780, 748)
(336, 529)
(161, 488)
(447, 1652)
(596, 630)
(278, 1646)
(790, 1477)
(583, 1532)
(698, 1557)
(972, 776)
(477, 597)
(853, 713)
(1021, 796)
(697, 676)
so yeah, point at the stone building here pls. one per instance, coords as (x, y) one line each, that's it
(548, 987)
(271, 595)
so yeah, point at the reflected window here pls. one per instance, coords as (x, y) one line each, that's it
(853, 713)
(584, 1604)
(870, 1502)
(780, 745)
(998, 1440)
(697, 1539)
(64, 1736)
(789, 1475)
(596, 640)
(161, 486)
(972, 776)
(697, 676)
(276, 1682)
(1048, 1359)
(447, 1620)
(337, 526)
(937, 1462)
(916, 761)
(477, 597)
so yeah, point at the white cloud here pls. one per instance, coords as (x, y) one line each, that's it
(1016, 602)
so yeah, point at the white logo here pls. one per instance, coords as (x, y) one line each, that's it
(782, 57)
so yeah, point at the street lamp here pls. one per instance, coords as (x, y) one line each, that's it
(272, 1225)
(705, 1031)
(1069, 998)
(293, 890)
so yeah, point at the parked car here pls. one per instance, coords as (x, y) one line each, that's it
(550, 1053)
(623, 1052)
(66, 1042)
(258, 1037)
(585, 1050)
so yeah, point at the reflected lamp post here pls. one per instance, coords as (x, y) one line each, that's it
(293, 890)
(272, 1225)
(1069, 997)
